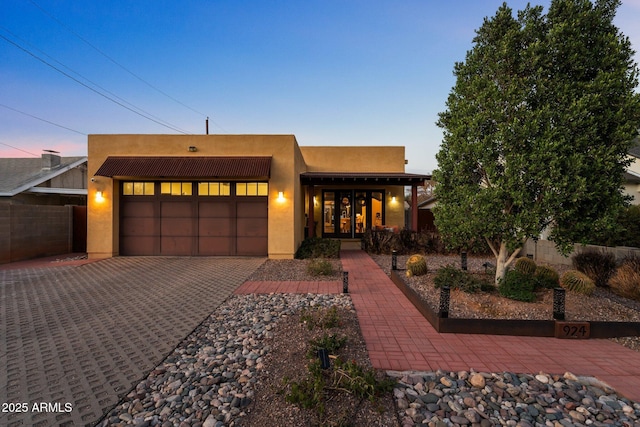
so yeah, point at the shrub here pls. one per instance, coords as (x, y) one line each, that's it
(416, 265)
(319, 267)
(316, 247)
(546, 277)
(598, 265)
(577, 281)
(518, 286)
(626, 280)
(525, 265)
(455, 278)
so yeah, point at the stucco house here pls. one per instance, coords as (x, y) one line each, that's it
(237, 195)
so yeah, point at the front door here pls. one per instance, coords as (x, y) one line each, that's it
(349, 213)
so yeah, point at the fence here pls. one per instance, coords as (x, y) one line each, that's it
(545, 251)
(31, 231)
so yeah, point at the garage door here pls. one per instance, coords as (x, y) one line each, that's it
(192, 224)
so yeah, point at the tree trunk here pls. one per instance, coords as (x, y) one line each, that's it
(501, 263)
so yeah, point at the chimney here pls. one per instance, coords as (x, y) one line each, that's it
(50, 159)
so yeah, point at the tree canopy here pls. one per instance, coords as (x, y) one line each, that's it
(537, 129)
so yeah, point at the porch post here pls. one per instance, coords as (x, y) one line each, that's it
(311, 223)
(414, 207)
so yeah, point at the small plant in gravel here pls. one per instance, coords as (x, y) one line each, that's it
(416, 265)
(329, 342)
(316, 247)
(598, 265)
(577, 281)
(319, 267)
(518, 286)
(455, 278)
(321, 318)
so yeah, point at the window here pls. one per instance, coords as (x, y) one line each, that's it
(252, 189)
(214, 188)
(130, 188)
(176, 188)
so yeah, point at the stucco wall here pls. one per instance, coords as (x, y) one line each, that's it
(103, 235)
(354, 159)
(545, 251)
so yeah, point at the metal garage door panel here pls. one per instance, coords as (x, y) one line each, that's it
(216, 209)
(252, 227)
(137, 226)
(256, 208)
(215, 245)
(180, 246)
(182, 209)
(176, 228)
(137, 209)
(208, 227)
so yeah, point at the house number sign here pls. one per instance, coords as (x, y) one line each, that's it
(573, 330)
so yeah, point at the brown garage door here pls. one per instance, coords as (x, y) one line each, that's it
(192, 226)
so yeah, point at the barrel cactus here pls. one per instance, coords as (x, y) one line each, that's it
(416, 265)
(575, 281)
(526, 266)
(547, 276)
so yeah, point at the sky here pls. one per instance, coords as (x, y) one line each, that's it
(331, 72)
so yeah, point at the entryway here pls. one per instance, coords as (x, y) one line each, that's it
(349, 213)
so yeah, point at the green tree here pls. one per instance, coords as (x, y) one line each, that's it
(537, 128)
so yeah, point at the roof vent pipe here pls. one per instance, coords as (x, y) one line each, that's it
(207, 125)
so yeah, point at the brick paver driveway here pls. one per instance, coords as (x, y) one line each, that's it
(74, 339)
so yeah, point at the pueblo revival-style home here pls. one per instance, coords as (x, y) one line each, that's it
(237, 195)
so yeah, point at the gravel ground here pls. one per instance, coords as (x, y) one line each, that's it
(230, 372)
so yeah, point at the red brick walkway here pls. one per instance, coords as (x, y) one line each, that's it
(399, 338)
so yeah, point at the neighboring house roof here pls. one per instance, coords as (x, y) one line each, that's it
(427, 203)
(635, 151)
(181, 167)
(631, 177)
(18, 175)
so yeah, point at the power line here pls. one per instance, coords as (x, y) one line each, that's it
(91, 88)
(41, 119)
(101, 52)
(19, 149)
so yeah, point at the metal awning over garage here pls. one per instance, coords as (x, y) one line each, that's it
(257, 168)
(360, 178)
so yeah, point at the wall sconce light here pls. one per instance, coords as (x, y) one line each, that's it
(315, 201)
(281, 196)
(99, 196)
(393, 199)
(193, 148)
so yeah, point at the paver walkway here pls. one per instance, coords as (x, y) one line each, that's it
(78, 337)
(399, 338)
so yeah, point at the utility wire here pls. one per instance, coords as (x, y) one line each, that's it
(89, 87)
(101, 52)
(19, 149)
(92, 82)
(41, 119)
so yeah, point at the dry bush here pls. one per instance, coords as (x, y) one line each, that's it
(626, 280)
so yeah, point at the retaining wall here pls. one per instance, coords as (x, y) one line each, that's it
(545, 251)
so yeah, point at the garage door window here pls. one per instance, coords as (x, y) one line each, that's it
(252, 189)
(214, 189)
(176, 188)
(130, 188)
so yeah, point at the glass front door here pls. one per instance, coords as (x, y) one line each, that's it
(349, 213)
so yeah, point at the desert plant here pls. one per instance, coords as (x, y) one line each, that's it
(598, 265)
(546, 277)
(416, 265)
(316, 247)
(626, 280)
(518, 286)
(576, 281)
(329, 342)
(455, 278)
(324, 318)
(525, 265)
(319, 267)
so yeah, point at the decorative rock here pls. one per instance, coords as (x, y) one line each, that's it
(477, 380)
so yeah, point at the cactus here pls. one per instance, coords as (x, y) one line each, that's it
(576, 281)
(416, 265)
(526, 266)
(547, 276)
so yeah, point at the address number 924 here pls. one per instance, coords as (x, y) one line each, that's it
(573, 330)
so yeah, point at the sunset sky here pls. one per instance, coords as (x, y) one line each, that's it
(329, 72)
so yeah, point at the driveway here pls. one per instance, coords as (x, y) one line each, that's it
(74, 339)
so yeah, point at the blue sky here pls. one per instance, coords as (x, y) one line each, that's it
(330, 72)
